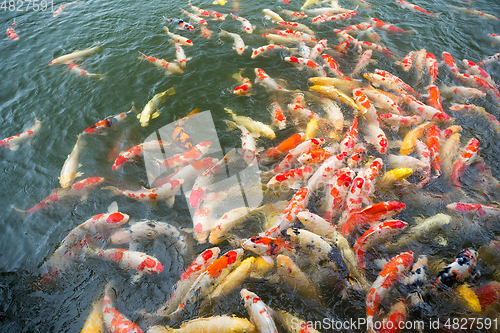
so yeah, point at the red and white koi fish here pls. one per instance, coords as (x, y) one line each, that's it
(398, 81)
(188, 157)
(495, 38)
(357, 156)
(317, 156)
(75, 55)
(407, 61)
(150, 110)
(389, 28)
(390, 274)
(343, 47)
(474, 210)
(433, 143)
(278, 116)
(318, 49)
(102, 126)
(68, 171)
(239, 44)
(289, 215)
(460, 269)
(291, 178)
(295, 15)
(199, 11)
(165, 191)
(179, 54)
(78, 189)
(198, 192)
(450, 63)
(298, 36)
(407, 5)
(461, 93)
(477, 110)
(169, 67)
(376, 47)
(194, 18)
(208, 280)
(357, 28)
(377, 233)
(247, 26)
(381, 100)
(178, 39)
(264, 79)
(187, 173)
(336, 191)
(363, 61)
(306, 63)
(267, 49)
(363, 101)
(294, 153)
(335, 117)
(375, 136)
(11, 34)
(259, 312)
(432, 66)
(488, 294)
(77, 70)
(190, 274)
(325, 172)
(385, 82)
(333, 67)
(475, 12)
(295, 26)
(468, 155)
(490, 60)
(370, 214)
(13, 142)
(265, 246)
(248, 144)
(181, 24)
(130, 260)
(395, 319)
(424, 154)
(350, 138)
(115, 321)
(475, 70)
(61, 8)
(339, 17)
(136, 152)
(246, 85)
(426, 111)
(434, 98)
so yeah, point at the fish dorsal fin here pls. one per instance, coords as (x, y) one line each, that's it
(113, 208)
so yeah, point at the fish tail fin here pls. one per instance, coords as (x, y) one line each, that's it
(237, 76)
(230, 124)
(19, 210)
(114, 190)
(230, 112)
(223, 33)
(410, 32)
(166, 30)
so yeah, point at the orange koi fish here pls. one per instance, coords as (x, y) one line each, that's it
(115, 321)
(389, 28)
(11, 34)
(102, 126)
(468, 155)
(370, 214)
(409, 5)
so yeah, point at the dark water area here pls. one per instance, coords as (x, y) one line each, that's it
(67, 104)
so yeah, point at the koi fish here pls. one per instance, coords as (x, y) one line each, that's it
(490, 60)
(102, 126)
(363, 61)
(495, 38)
(150, 111)
(179, 54)
(75, 55)
(169, 67)
(13, 142)
(398, 81)
(78, 189)
(377, 233)
(432, 66)
(68, 171)
(94, 322)
(267, 49)
(389, 275)
(239, 45)
(247, 26)
(306, 63)
(136, 152)
(381, 100)
(61, 8)
(298, 36)
(115, 321)
(389, 27)
(395, 318)
(215, 324)
(291, 178)
(278, 115)
(265, 246)
(270, 15)
(449, 150)
(488, 294)
(337, 189)
(295, 15)
(256, 127)
(339, 17)
(333, 67)
(208, 280)
(477, 110)
(333, 93)
(187, 278)
(178, 39)
(11, 34)
(194, 18)
(460, 269)
(248, 144)
(433, 142)
(426, 227)
(167, 191)
(376, 47)
(461, 93)
(434, 98)
(370, 214)
(467, 156)
(295, 324)
(294, 153)
(476, 12)
(184, 159)
(450, 63)
(181, 24)
(264, 79)
(475, 70)
(259, 312)
(408, 5)
(295, 26)
(426, 111)
(77, 70)
(407, 62)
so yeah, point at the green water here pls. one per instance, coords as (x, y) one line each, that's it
(67, 104)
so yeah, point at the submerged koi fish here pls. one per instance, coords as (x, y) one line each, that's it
(166, 191)
(460, 269)
(11, 34)
(476, 12)
(75, 55)
(259, 312)
(409, 5)
(178, 39)
(267, 49)
(102, 126)
(61, 8)
(264, 79)
(115, 321)
(13, 142)
(169, 67)
(181, 24)
(68, 171)
(490, 60)
(77, 70)
(256, 127)
(78, 189)
(295, 15)
(150, 111)
(467, 156)
(389, 27)
(247, 26)
(239, 44)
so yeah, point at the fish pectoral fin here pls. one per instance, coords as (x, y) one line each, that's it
(136, 277)
(113, 207)
(171, 200)
(155, 115)
(78, 174)
(14, 147)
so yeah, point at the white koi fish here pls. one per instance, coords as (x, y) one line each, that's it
(77, 70)
(264, 79)
(75, 55)
(179, 53)
(194, 18)
(61, 8)
(270, 15)
(169, 67)
(166, 191)
(239, 44)
(267, 49)
(259, 312)
(68, 171)
(178, 39)
(13, 142)
(247, 26)
(114, 320)
(150, 111)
